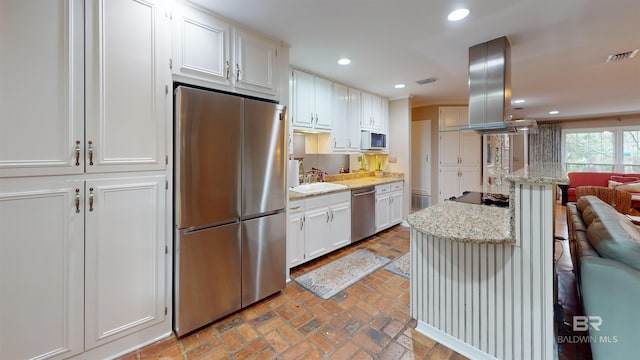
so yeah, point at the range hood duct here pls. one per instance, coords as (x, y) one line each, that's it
(490, 90)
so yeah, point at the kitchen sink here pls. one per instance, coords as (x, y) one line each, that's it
(319, 187)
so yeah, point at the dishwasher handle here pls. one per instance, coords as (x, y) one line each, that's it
(365, 192)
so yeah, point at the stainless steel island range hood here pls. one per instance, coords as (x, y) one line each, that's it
(490, 90)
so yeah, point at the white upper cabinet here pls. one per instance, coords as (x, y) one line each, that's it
(340, 129)
(345, 134)
(209, 51)
(372, 113)
(302, 106)
(41, 88)
(201, 46)
(312, 106)
(125, 95)
(254, 65)
(355, 115)
(453, 117)
(46, 129)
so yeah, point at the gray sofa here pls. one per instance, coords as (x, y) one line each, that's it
(605, 249)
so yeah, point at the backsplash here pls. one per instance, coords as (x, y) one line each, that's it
(329, 163)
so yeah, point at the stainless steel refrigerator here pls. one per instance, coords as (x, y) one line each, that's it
(230, 238)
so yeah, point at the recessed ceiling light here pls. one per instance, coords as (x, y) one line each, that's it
(519, 101)
(458, 14)
(553, 112)
(344, 61)
(398, 86)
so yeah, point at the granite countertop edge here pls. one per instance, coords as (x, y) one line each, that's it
(469, 223)
(352, 184)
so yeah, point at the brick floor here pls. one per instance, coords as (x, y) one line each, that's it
(368, 320)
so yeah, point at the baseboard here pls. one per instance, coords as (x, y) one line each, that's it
(453, 343)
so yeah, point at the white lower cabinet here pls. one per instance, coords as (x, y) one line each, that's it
(83, 262)
(317, 225)
(295, 233)
(389, 204)
(125, 256)
(41, 269)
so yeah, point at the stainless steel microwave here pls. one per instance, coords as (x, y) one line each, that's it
(373, 141)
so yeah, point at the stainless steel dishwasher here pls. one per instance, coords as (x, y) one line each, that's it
(363, 213)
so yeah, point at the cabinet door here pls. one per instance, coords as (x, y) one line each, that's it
(366, 120)
(340, 225)
(41, 268)
(340, 128)
(452, 117)
(125, 257)
(382, 212)
(323, 103)
(395, 215)
(295, 237)
(303, 99)
(125, 95)
(377, 121)
(254, 63)
(449, 182)
(42, 88)
(316, 232)
(470, 148)
(355, 115)
(201, 46)
(450, 148)
(470, 178)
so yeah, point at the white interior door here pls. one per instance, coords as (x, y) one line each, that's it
(421, 157)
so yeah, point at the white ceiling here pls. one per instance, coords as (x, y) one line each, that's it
(558, 47)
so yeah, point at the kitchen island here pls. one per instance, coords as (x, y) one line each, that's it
(482, 277)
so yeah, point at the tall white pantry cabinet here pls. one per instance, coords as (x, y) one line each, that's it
(84, 98)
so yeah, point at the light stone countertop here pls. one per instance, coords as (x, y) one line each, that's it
(541, 173)
(352, 184)
(483, 224)
(464, 222)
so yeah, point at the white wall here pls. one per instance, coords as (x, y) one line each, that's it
(399, 135)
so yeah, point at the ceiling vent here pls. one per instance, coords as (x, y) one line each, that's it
(426, 81)
(622, 56)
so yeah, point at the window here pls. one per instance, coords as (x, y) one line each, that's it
(605, 150)
(631, 151)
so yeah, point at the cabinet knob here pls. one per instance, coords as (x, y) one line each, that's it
(238, 72)
(228, 67)
(301, 222)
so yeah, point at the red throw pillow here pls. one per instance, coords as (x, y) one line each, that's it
(624, 179)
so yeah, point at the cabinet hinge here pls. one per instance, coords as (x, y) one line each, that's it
(166, 184)
(170, 63)
(165, 311)
(166, 89)
(276, 52)
(166, 249)
(166, 159)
